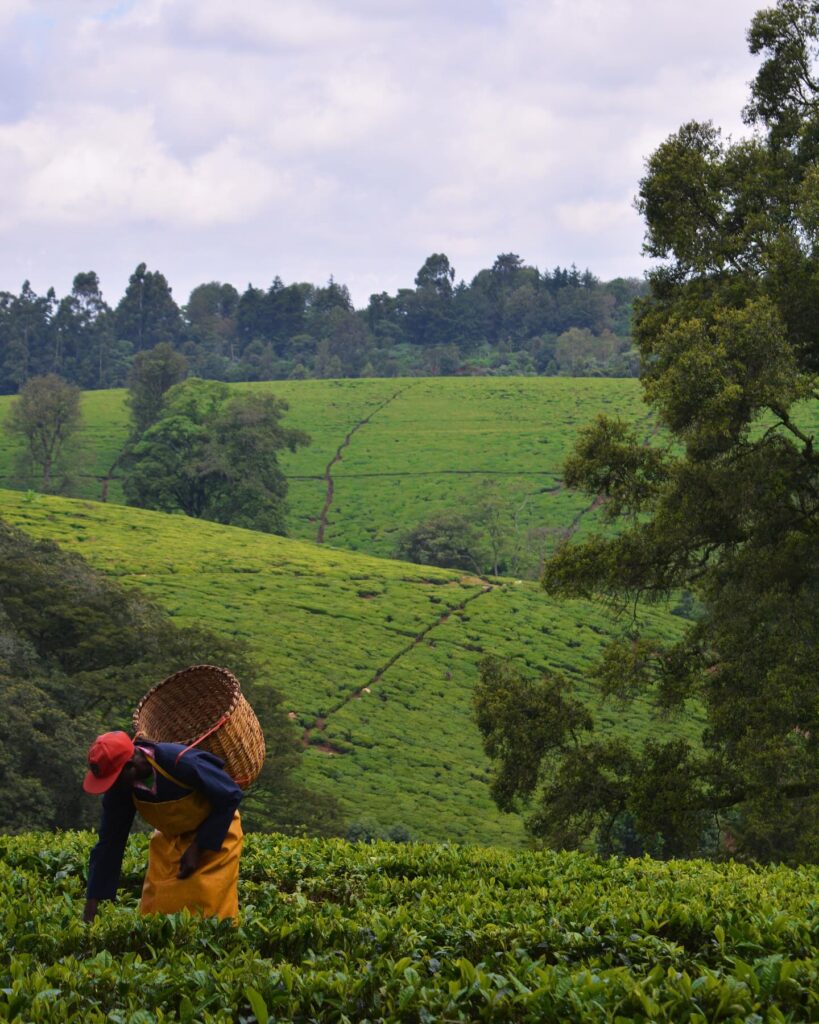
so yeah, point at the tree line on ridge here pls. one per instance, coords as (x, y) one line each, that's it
(511, 318)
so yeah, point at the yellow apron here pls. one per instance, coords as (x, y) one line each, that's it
(212, 890)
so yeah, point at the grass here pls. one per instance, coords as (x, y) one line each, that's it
(437, 444)
(327, 626)
(377, 659)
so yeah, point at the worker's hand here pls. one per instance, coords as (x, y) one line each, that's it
(189, 861)
(90, 911)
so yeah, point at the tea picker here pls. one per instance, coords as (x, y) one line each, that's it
(197, 745)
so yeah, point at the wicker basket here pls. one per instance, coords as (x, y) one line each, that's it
(204, 706)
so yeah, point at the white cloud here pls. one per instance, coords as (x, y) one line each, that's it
(596, 215)
(313, 137)
(94, 166)
(303, 24)
(11, 9)
(505, 142)
(317, 116)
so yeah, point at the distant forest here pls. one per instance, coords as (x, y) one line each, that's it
(510, 319)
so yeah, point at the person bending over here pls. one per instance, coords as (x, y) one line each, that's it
(191, 801)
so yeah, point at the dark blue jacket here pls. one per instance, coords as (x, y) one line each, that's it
(198, 770)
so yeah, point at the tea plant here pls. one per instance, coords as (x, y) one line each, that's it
(332, 931)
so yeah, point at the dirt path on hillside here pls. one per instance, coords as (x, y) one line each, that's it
(573, 526)
(359, 691)
(321, 722)
(328, 472)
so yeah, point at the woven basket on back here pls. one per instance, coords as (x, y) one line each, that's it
(204, 706)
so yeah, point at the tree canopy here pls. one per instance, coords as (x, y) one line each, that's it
(446, 539)
(147, 314)
(153, 372)
(728, 508)
(512, 317)
(213, 456)
(45, 414)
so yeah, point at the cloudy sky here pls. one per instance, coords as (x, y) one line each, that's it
(304, 138)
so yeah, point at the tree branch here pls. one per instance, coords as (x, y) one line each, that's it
(791, 791)
(788, 424)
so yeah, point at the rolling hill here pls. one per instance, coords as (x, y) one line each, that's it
(386, 454)
(377, 658)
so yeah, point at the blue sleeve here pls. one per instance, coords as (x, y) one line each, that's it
(105, 863)
(206, 773)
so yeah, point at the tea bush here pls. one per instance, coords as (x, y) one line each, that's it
(334, 931)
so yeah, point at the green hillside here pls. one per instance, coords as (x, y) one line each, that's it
(377, 658)
(406, 448)
(331, 932)
(434, 444)
(399, 450)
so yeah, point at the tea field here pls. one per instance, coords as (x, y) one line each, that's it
(399, 450)
(337, 932)
(386, 454)
(435, 444)
(377, 659)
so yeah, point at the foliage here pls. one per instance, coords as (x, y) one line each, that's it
(85, 348)
(446, 539)
(511, 318)
(580, 353)
(542, 739)
(322, 624)
(488, 449)
(76, 650)
(211, 317)
(417, 447)
(46, 414)
(396, 472)
(486, 538)
(728, 508)
(25, 336)
(42, 754)
(330, 931)
(214, 456)
(147, 315)
(152, 373)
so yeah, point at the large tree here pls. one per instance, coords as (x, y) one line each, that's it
(45, 415)
(211, 314)
(152, 374)
(728, 508)
(213, 455)
(147, 314)
(26, 336)
(447, 539)
(429, 310)
(85, 350)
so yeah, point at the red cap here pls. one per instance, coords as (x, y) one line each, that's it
(107, 756)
